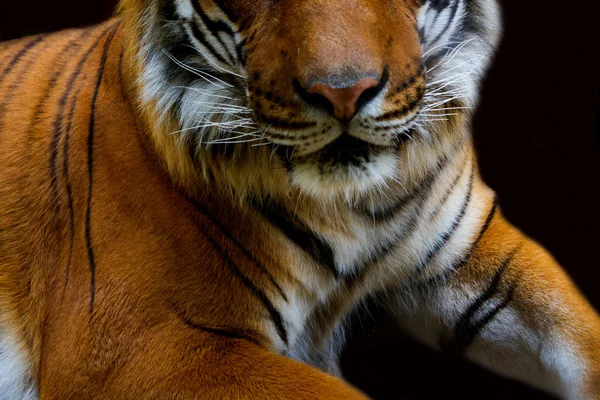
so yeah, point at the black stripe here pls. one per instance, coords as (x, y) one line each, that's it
(439, 5)
(383, 251)
(470, 332)
(487, 318)
(468, 255)
(202, 39)
(413, 105)
(443, 240)
(57, 131)
(448, 23)
(259, 293)
(387, 214)
(58, 123)
(424, 191)
(284, 124)
(408, 229)
(66, 146)
(223, 332)
(450, 190)
(20, 55)
(183, 50)
(226, 10)
(121, 84)
(5, 56)
(10, 90)
(239, 245)
(215, 27)
(473, 23)
(168, 10)
(7, 98)
(241, 53)
(466, 329)
(297, 231)
(90, 146)
(381, 215)
(487, 222)
(54, 143)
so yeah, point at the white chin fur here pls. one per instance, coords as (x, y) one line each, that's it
(347, 182)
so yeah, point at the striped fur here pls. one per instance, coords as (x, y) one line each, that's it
(179, 218)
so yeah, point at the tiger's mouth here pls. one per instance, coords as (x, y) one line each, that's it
(345, 144)
(345, 151)
(347, 166)
(352, 158)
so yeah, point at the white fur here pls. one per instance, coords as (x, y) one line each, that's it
(565, 365)
(14, 372)
(349, 182)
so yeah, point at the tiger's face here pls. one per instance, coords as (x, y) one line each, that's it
(337, 86)
(337, 89)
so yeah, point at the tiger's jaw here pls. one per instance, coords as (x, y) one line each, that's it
(348, 160)
(342, 139)
(346, 167)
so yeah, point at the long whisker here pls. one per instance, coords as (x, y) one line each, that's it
(447, 44)
(205, 93)
(210, 60)
(449, 56)
(196, 71)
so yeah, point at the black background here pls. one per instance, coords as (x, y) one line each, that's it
(536, 132)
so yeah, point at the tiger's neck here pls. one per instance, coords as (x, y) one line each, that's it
(340, 253)
(328, 252)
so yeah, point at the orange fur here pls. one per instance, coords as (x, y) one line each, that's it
(135, 344)
(161, 314)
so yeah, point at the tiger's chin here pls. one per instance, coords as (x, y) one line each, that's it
(348, 168)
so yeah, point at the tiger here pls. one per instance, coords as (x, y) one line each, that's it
(197, 198)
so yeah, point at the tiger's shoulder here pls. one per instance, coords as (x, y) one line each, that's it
(42, 79)
(36, 70)
(49, 89)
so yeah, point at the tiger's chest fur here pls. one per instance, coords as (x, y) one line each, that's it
(394, 245)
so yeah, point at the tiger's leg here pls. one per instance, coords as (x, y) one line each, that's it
(188, 363)
(507, 305)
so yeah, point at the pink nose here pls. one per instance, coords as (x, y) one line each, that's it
(344, 101)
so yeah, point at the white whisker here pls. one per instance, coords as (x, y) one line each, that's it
(196, 71)
(210, 60)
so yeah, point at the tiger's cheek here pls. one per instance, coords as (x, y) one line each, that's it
(270, 72)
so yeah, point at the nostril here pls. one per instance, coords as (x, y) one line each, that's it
(369, 94)
(314, 99)
(345, 102)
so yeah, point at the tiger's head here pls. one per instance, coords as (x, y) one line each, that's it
(329, 96)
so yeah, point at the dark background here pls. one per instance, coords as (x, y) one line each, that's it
(537, 133)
